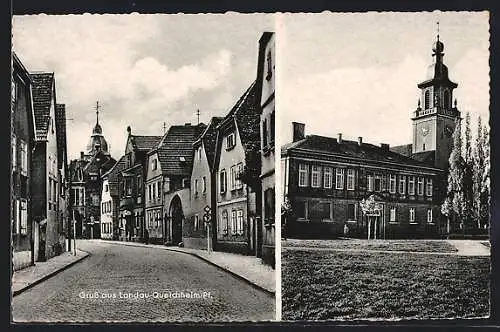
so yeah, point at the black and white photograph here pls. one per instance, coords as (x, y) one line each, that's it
(142, 168)
(384, 169)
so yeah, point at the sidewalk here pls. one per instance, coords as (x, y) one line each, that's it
(249, 268)
(470, 247)
(33, 275)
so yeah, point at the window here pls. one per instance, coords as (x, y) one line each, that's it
(411, 185)
(269, 206)
(446, 100)
(239, 183)
(350, 179)
(225, 222)
(49, 196)
(230, 141)
(303, 175)
(402, 184)
(150, 197)
(427, 99)
(239, 225)
(14, 152)
(106, 188)
(327, 177)
(234, 226)
(24, 217)
(154, 191)
(199, 153)
(15, 216)
(128, 186)
(351, 212)
(301, 209)
(420, 186)
(412, 214)
(24, 156)
(232, 179)
(269, 66)
(429, 216)
(154, 164)
(393, 214)
(264, 133)
(222, 181)
(392, 183)
(378, 182)
(319, 210)
(196, 222)
(370, 182)
(139, 185)
(195, 187)
(429, 187)
(271, 138)
(204, 184)
(316, 176)
(95, 200)
(339, 180)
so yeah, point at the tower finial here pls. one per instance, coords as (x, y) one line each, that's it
(97, 107)
(437, 23)
(198, 114)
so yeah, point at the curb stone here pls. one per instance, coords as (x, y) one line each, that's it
(50, 275)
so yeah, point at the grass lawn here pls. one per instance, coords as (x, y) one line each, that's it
(389, 245)
(333, 285)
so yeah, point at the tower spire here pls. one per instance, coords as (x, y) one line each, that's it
(97, 107)
(437, 23)
(198, 115)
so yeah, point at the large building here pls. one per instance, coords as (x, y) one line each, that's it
(266, 76)
(86, 183)
(49, 234)
(132, 178)
(325, 179)
(237, 161)
(22, 144)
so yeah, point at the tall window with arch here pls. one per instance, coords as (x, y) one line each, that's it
(446, 99)
(427, 99)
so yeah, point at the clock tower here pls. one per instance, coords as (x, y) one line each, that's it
(435, 118)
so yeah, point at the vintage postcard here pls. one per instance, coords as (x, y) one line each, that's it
(142, 168)
(384, 170)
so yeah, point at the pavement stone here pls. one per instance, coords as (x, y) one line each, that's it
(32, 275)
(249, 268)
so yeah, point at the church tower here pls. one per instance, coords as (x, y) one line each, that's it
(435, 118)
(97, 142)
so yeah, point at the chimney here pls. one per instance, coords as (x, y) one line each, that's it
(129, 130)
(298, 131)
(81, 155)
(360, 140)
(384, 146)
(339, 139)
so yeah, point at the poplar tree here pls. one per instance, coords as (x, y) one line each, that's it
(479, 170)
(484, 211)
(468, 177)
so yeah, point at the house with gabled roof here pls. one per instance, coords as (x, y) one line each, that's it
(168, 183)
(110, 202)
(203, 191)
(238, 165)
(49, 234)
(131, 179)
(23, 138)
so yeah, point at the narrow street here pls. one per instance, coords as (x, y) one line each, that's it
(123, 276)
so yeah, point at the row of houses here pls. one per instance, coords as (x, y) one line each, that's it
(201, 186)
(38, 167)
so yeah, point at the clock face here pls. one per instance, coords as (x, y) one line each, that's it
(425, 130)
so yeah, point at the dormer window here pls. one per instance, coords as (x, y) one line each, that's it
(154, 164)
(182, 159)
(230, 141)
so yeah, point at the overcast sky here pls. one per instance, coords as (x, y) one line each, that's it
(357, 74)
(143, 69)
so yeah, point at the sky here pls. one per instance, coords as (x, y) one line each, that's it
(143, 69)
(357, 74)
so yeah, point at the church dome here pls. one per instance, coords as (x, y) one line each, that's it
(438, 46)
(96, 143)
(97, 129)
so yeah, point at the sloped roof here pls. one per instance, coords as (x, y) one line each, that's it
(61, 134)
(177, 143)
(351, 149)
(42, 90)
(404, 149)
(209, 138)
(145, 143)
(426, 157)
(112, 174)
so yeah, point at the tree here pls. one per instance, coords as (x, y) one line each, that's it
(468, 177)
(484, 212)
(479, 169)
(453, 206)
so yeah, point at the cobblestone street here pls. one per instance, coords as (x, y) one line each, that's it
(113, 283)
